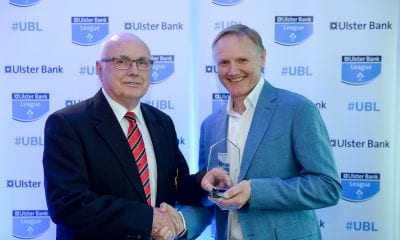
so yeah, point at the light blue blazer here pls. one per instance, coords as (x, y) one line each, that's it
(289, 160)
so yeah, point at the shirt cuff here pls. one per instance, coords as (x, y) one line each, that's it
(184, 226)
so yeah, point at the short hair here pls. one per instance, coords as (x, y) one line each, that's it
(241, 30)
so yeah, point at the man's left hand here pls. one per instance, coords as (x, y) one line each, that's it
(235, 197)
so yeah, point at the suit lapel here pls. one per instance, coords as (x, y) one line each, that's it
(262, 116)
(110, 130)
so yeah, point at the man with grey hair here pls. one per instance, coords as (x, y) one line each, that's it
(285, 167)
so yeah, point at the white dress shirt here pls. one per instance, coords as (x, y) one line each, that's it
(238, 128)
(120, 112)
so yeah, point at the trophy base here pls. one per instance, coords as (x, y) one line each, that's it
(217, 192)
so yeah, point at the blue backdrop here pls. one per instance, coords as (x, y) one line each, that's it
(343, 55)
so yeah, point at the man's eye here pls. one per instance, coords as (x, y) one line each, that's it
(223, 63)
(142, 61)
(120, 61)
(243, 61)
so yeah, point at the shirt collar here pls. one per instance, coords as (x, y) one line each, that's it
(120, 110)
(250, 100)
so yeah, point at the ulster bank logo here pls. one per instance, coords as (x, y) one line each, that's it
(226, 2)
(28, 107)
(28, 224)
(358, 187)
(24, 3)
(358, 70)
(88, 31)
(293, 30)
(163, 67)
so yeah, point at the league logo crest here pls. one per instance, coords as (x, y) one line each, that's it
(87, 31)
(358, 187)
(28, 224)
(226, 2)
(163, 67)
(23, 3)
(293, 30)
(359, 70)
(29, 107)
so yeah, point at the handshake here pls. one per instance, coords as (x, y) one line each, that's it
(167, 223)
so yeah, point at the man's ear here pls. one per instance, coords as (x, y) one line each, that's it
(98, 69)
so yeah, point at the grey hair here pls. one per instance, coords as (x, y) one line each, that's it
(241, 30)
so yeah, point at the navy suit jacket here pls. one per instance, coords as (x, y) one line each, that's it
(92, 185)
(289, 160)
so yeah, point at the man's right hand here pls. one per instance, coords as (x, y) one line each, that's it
(216, 177)
(167, 222)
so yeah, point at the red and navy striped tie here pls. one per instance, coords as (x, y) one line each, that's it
(139, 154)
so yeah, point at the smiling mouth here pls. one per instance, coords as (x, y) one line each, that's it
(133, 84)
(236, 79)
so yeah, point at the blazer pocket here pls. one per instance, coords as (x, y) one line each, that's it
(307, 230)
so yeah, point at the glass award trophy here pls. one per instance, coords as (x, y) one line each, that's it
(224, 155)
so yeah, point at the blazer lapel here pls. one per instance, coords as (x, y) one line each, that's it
(109, 128)
(262, 116)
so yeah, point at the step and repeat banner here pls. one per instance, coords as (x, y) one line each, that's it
(343, 55)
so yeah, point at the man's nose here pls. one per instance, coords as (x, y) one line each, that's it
(133, 69)
(233, 69)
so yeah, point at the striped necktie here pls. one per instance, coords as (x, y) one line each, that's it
(139, 154)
